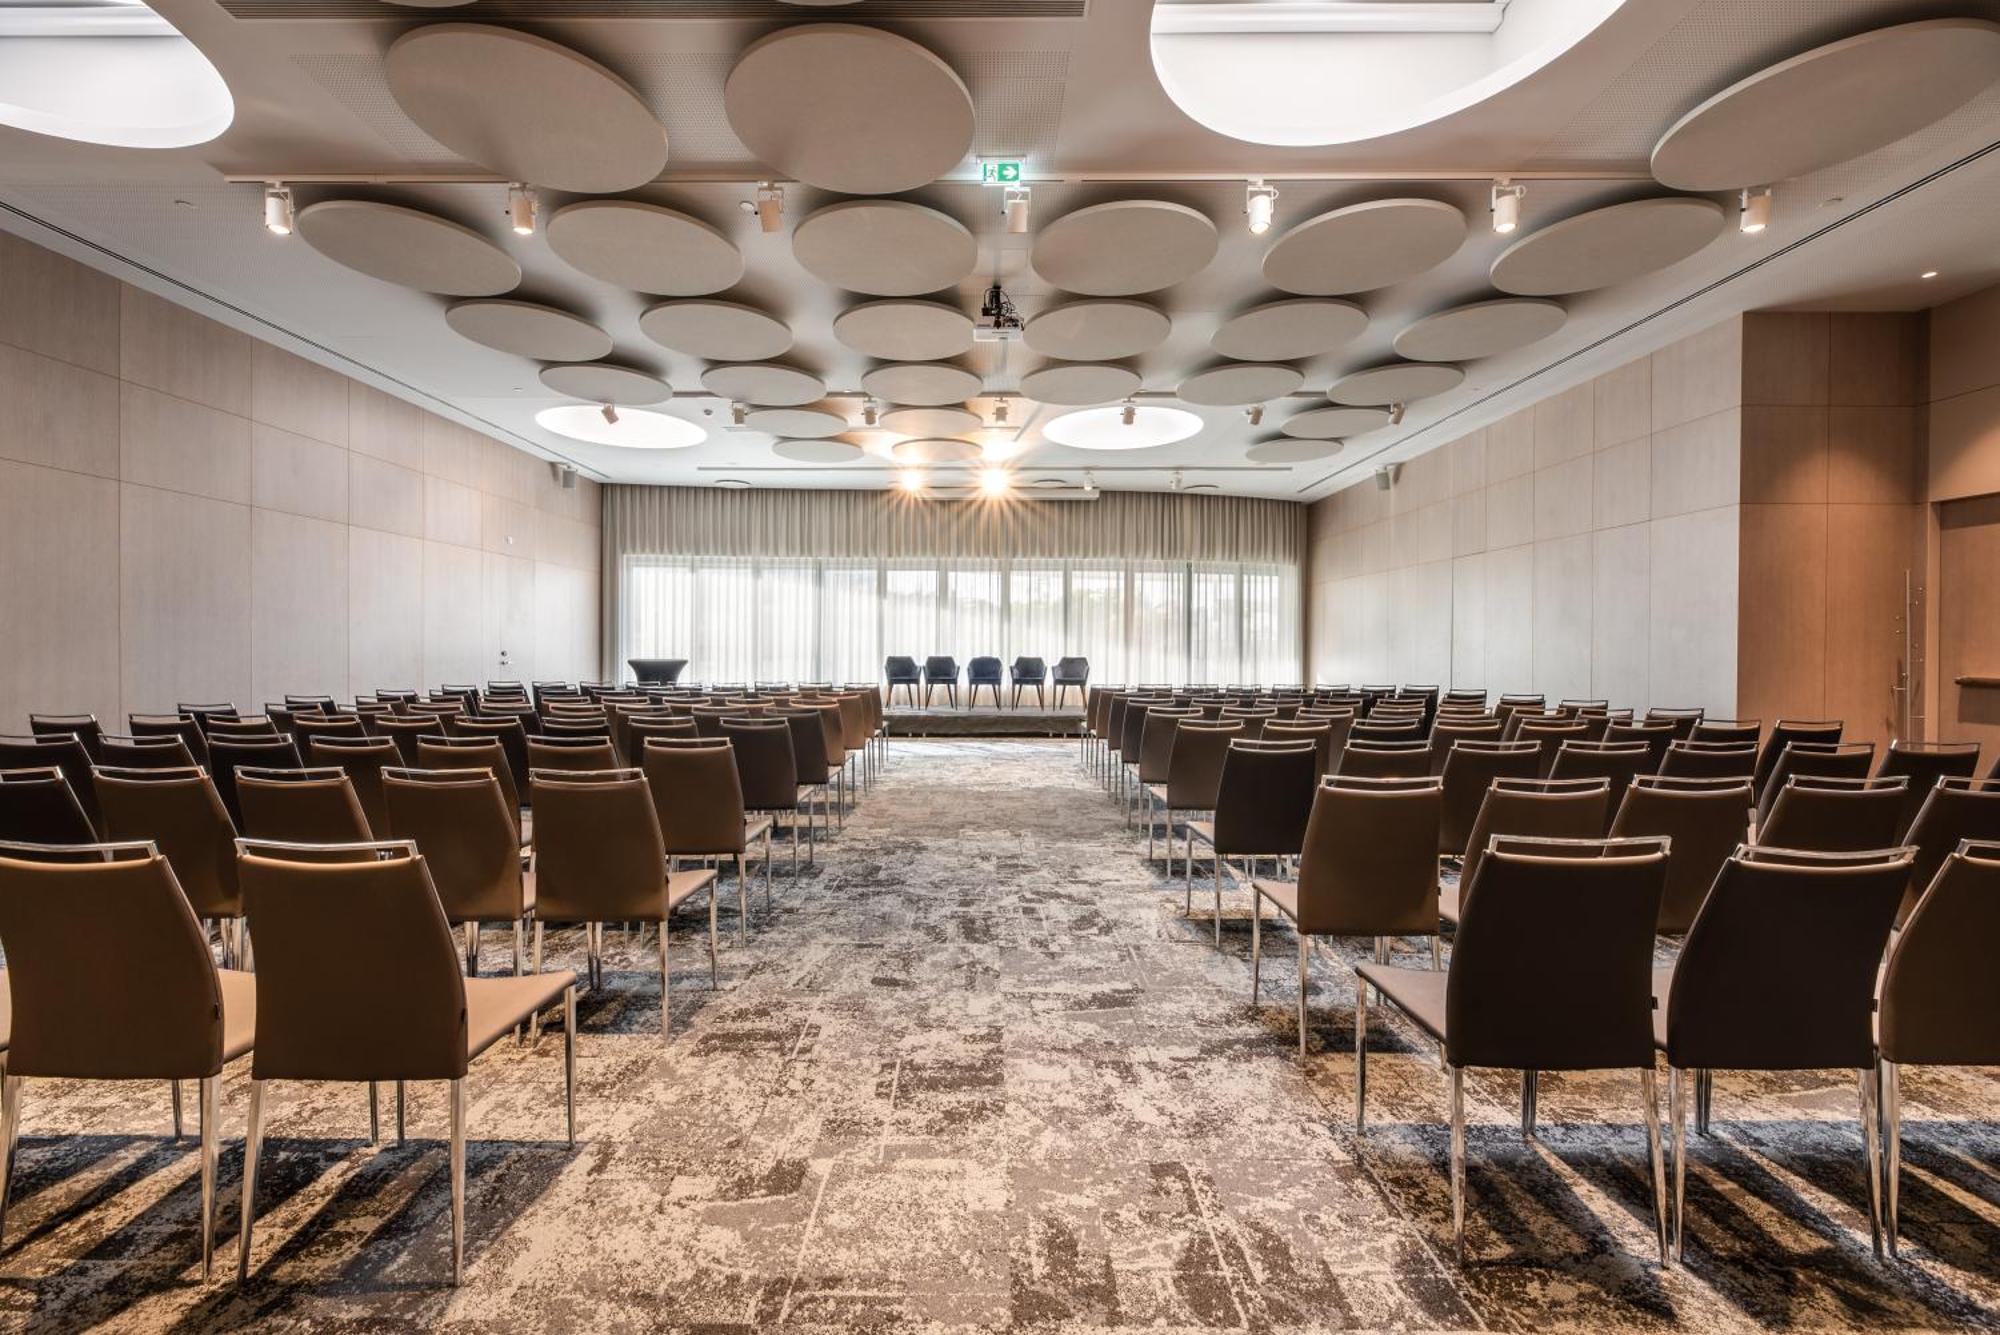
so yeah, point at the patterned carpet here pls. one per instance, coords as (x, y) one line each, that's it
(977, 1073)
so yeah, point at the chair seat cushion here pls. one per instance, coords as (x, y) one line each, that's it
(6, 1011)
(1285, 894)
(1203, 830)
(1663, 981)
(493, 1006)
(682, 884)
(1157, 792)
(239, 1012)
(754, 828)
(1418, 993)
(1448, 903)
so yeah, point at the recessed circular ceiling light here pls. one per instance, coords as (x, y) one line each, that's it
(732, 484)
(635, 429)
(1106, 428)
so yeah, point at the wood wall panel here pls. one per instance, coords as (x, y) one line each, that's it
(61, 616)
(184, 599)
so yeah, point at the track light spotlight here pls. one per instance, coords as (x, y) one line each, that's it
(610, 414)
(278, 209)
(1395, 414)
(1255, 412)
(770, 206)
(521, 209)
(999, 412)
(1260, 203)
(1129, 413)
(1089, 482)
(1015, 208)
(869, 416)
(738, 414)
(1506, 205)
(1756, 210)
(1174, 481)
(910, 480)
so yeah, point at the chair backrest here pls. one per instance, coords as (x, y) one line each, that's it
(1156, 741)
(1829, 760)
(1194, 763)
(1030, 669)
(1684, 720)
(165, 752)
(599, 854)
(1620, 762)
(1705, 818)
(1073, 670)
(941, 667)
(1727, 730)
(1551, 968)
(181, 814)
(833, 732)
(899, 667)
(1369, 863)
(1657, 734)
(1710, 760)
(1321, 735)
(697, 797)
(1953, 811)
(242, 730)
(61, 751)
(362, 760)
(765, 763)
(1381, 727)
(1550, 734)
(1738, 1004)
(1923, 764)
(463, 824)
(1385, 760)
(808, 745)
(1940, 1001)
(572, 753)
(452, 753)
(1533, 809)
(172, 725)
(1448, 730)
(357, 977)
(1783, 734)
(984, 668)
(308, 725)
(226, 755)
(83, 727)
(509, 733)
(1470, 768)
(37, 806)
(109, 972)
(1833, 815)
(1265, 798)
(301, 806)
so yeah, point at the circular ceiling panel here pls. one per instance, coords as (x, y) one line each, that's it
(1280, 331)
(1608, 245)
(644, 247)
(796, 422)
(601, 382)
(940, 421)
(924, 384)
(529, 108)
(1332, 423)
(848, 108)
(1107, 429)
(1364, 246)
(935, 451)
(1079, 384)
(408, 247)
(1829, 105)
(718, 331)
(1125, 247)
(1237, 384)
(818, 451)
(529, 330)
(1098, 331)
(764, 383)
(885, 247)
(1398, 382)
(635, 429)
(1289, 451)
(905, 331)
(1480, 329)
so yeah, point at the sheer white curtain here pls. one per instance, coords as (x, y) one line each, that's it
(910, 610)
(972, 618)
(1156, 622)
(1270, 621)
(850, 622)
(1215, 625)
(1097, 620)
(1035, 612)
(786, 609)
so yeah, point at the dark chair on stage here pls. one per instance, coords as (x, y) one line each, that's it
(1028, 672)
(982, 672)
(656, 671)
(902, 671)
(1071, 672)
(941, 670)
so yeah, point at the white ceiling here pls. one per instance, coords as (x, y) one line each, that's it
(1077, 98)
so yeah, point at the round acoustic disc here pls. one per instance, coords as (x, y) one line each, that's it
(527, 329)
(1079, 384)
(644, 247)
(1481, 329)
(885, 247)
(822, 451)
(764, 383)
(1398, 382)
(1286, 450)
(922, 384)
(408, 247)
(1364, 246)
(1283, 331)
(1125, 247)
(930, 421)
(937, 450)
(798, 423)
(717, 331)
(1237, 384)
(1098, 331)
(905, 331)
(1608, 245)
(600, 382)
(1332, 423)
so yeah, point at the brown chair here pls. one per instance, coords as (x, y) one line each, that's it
(644, 729)
(207, 714)
(227, 754)
(1819, 760)
(1954, 811)
(1705, 818)
(452, 753)
(1684, 720)
(301, 806)
(698, 799)
(1527, 809)
(1448, 730)
(1156, 741)
(1550, 971)
(1321, 735)
(1550, 735)
(1469, 770)
(513, 740)
(462, 821)
(1262, 805)
(1368, 868)
(1617, 762)
(1727, 730)
(1788, 732)
(83, 727)
(37, 806)
(404, 732)
(1731, 1002)
(1710, 760)
(1194, 773)
(1823, 815)
(1923, 764)
(768, 771)
(1940, 1000)
(62, 751)
(110, 978)
(1381, 727)
(180, 813)
(1656, 734)
(143, 752)
(241, 729)
(570, 753)
(356, 982)
(599, 858)
(145, 726)
(809, 759)
(306, 726)
(1385, 760)
(362, 760)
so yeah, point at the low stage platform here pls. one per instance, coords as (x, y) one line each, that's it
(983, 721)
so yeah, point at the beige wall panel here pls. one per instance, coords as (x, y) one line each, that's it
(1623, 408)
(1510, 446)
(1693, 610)
(1621, 601)
(382, 495)
(1423, 612)
(184, 599)
(1622, 483)
(1875, 359)
(1468, 621)
(57, 414)
(1565, 425)
(385, 611)
(1510, 512)
(1785, 357)
(1468, 463)
(508, 528)
(566, 615)
(178, 445)
(1875, 455)
(1969, 621)
(1425, 480)
(296, 395)
(52, 305)
(1510, 619)
(1563, 595)
(297, 474)
(1784, 454)
(1869, 549)
(507, 616)
(1564, 495)
(1698, 465)
(1964, 349)
(1964, 439)
(451, 451)
(385, 427)
(172, 349)
(452, 512)
(60, 615)
(298, 607)
(1698, 376)
(1782, 641)
(572, 542)
(1468, 524)
(454, 592)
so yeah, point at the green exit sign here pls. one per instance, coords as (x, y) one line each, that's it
(999, 171)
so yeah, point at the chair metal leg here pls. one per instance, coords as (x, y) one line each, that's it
(520, 925)
(1218, 901)
(1530, 1087)
(10, 1139)
(253, 1145)
(1871, 1129)
(1458, 1162)
(1302, 986)
(666, 994)
(1436, 961)
(1256, 956)
(1360, 1055)
(457, 1182)
(535, 964)
(1704, 1098)
(472, 950)
(374, 1114)
(399, 1113)
(767, 871)
(742, 904)
(205, 1096)
(569, 1048)
(1649, 1090)
(174, 1088)
(1892, 1135)
(1677, 1111)
(714, 969)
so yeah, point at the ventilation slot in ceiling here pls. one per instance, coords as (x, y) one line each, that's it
(744, 10)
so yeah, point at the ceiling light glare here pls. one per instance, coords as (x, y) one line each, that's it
(1928, 273)
(1507, 205)
(1015, 209)
(631, 428)
(911, 480)
(521, 209)
(278, 209)
(994, 481)
(1260, 205)
(770, 206)
(1756, 211)
(1111, 428)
